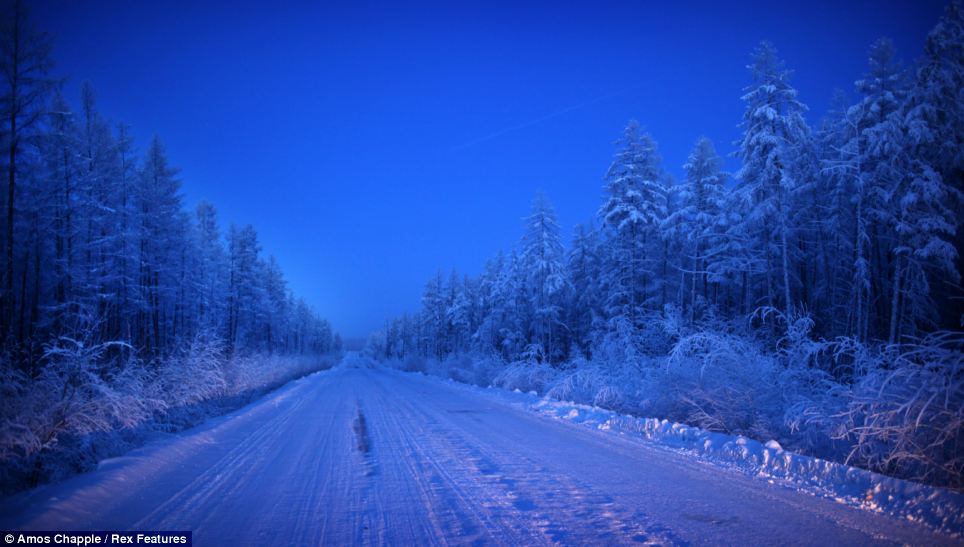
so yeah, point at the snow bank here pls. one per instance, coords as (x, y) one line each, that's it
(936, 507)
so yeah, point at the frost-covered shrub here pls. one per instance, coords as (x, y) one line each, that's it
(460, 367)
(526, 376)
(85, 403)
(591, 385)
(79, 396)
(620, 346)
(17, 437)
(475, 369)
(478, 369)
(193, 374)
(487, 367)
(72, 396)
(904, 413)
(724, 383)
(579, 386)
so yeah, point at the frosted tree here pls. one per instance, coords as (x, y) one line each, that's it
(773, 130)
(544, 264)
(213, 269)
(516, 318)
(245, 290)
(62, 173)
(866, 172)
(101, 240)
(937, 99)
(668, 253)
(433, 316)
(159, 203)
(584, 264)
(696, 219)
(458, 314)
(276, 305)
(836, 173)
(935, 116)
(632, 212)
(25, 64)
(491, 303)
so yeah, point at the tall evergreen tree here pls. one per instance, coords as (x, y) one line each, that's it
(632, 212)
(544, 262)
(25, 62)
(773, 131)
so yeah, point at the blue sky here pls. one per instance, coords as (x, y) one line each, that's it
(371, 144)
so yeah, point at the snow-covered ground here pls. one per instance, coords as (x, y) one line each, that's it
(361, 456)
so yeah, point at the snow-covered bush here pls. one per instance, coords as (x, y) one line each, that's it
(193, 374)
(620, 347)
(459, 367)
(85, 404)
(475, 369)
(902, 415)
(79, 396)
(73, 395)
(590, 385)
(724, 383)
(526, 376)
(905, 415)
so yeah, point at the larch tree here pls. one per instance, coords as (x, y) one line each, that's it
(631, 214)
(544, 262)
(696, 218)
(773, 130)
(25, 64)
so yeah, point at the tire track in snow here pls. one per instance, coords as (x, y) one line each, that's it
(452, 511)
(560, 508)
(228, 478)
(671, 496)
(453, 466)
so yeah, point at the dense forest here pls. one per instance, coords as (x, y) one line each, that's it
(117, 303)
(813, 296)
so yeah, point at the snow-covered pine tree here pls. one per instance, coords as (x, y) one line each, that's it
(695, 220)
(213, 268)
(773, 130)
(458, 314)
(245, 290)
(543, 261)
(159, 202)
(25, 89)
(433, 317)
(936, 115)
(869, 153)
(631, 214)
(583, 308)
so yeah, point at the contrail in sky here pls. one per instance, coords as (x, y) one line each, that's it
(541, 119)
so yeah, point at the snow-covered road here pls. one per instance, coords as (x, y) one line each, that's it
(361, 456)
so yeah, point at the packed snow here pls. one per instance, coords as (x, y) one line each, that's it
(364, 455)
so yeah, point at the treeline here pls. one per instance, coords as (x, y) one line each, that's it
(121, 312)
(98, 246)
(854, 223)
(832, 253)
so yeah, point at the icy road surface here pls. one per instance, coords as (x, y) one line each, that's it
(360, 456)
